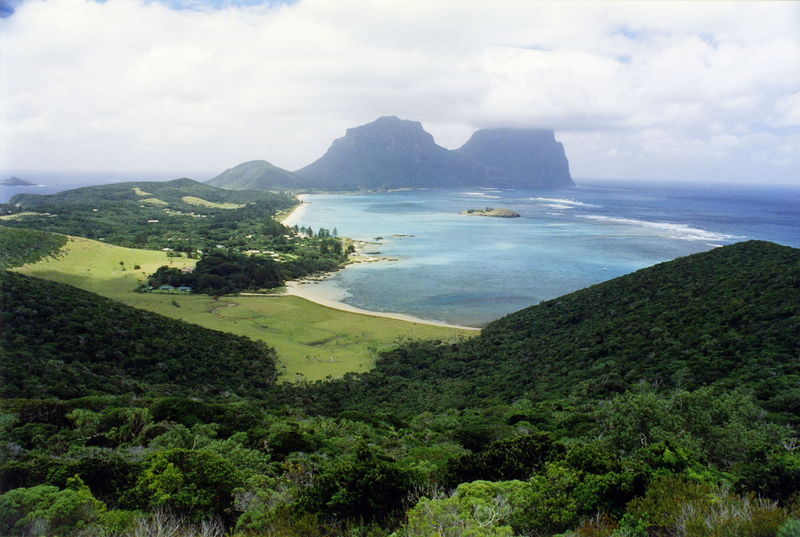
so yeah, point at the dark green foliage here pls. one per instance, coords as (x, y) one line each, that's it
(108, 474)
(46, 510)
(60, 341)
(118, 215)
(726, 317)
(226, 239)
(190, 412)
(547, 406)
(516, 458)
(282, 443)
(194, 483)
(168, 191)
(20, 246)
(363, 486)
(220, 274)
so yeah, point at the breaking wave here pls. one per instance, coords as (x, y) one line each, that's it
(666, 229)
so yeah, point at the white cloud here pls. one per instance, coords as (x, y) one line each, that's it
(634, 89)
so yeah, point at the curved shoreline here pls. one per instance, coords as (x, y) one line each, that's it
(304, 290)
(293, 217)
(300, 290)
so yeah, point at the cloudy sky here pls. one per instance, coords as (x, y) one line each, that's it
(658, 90)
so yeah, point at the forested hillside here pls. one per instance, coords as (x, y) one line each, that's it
(185, 218)
(728, 317)
(523, 431)
(20, 246)
(59, 341)
(171, 192)
(182, 215)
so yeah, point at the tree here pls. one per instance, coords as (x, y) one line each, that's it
(361, 486)
(194, 483)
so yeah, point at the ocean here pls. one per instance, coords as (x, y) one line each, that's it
(470, 270)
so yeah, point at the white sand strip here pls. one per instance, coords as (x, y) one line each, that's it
(297, 213)
(308, 292)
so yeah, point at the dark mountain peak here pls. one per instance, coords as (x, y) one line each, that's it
(519, 157)
(387, 153)
(512, 134)
(391, 152)
(391, 129)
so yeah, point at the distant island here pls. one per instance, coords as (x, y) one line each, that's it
(489, 211)
(15, 181)
(391, 153)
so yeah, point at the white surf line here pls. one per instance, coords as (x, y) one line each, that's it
(306, 291)
(668, 230)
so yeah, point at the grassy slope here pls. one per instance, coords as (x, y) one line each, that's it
(311, 340)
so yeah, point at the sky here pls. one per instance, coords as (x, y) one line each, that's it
(687, 91)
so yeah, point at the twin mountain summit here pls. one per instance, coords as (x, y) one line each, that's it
(396, 153)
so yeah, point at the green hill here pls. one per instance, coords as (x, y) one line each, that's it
(169, 192)
(728, 317)
(575, 417)
(59, 341)
(181, 215)
(20, 246)
(258, 175)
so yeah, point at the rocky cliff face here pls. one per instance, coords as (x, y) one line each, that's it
(396, 153)
(518, 158)
(389, 153)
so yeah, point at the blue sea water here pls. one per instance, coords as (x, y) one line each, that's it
(470, 270)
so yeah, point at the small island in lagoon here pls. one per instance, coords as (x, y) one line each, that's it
(489, 211)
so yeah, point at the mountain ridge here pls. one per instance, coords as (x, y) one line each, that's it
(390, 152)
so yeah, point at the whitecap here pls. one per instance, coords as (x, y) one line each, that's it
(481, 194)
(666, 229)
(563, 201)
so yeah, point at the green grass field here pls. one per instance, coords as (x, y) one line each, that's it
(192, 200)
(313, 341)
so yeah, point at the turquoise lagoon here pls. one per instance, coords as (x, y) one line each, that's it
(470, 270)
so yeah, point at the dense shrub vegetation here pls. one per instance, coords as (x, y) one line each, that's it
(20, 246)
(233, 232)
(59, 341)
(223, 273)
(729, 317)
(663, 403)
(157, 215)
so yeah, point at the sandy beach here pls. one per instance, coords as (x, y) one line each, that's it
(293, 217)
(310, 291)
(306, 289)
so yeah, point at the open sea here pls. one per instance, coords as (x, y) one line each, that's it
(470, 270)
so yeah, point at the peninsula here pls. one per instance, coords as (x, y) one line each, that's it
(15, 181)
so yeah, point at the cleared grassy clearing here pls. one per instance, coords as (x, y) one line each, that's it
(154, 201)
(23, 214)
(192, 200)
(312, 341)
